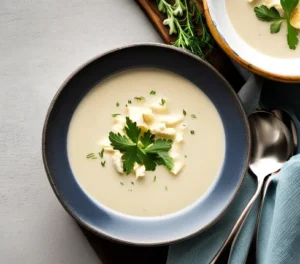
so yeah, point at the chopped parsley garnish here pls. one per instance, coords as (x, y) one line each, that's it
(140, 148)
(115, 115)
(193, 116)
(103, 163)
(132, 183)
(266, 14)
(101, 154)
(129, 101)
(184, 112)
(166, 187)
(140, 98)
(117, 104)
(162, 102)
(192, 132)
(91, 156)
(130, 190)
(153, 92)
(185, 156)
(154, 179)
(122, 183)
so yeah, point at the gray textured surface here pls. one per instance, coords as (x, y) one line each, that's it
(41, 43)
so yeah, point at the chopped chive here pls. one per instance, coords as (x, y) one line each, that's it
(154, 179)
(115, 115)
(122, 183)
(162, 102)
(103, 163)
(193, 116)
(132, 183)
(94, 158)
(184, 112)
(129, 101)
(101, 154)
(192, 132)
(90, 155)
(141, 98)
(166, 187)
(153, 92)
(117, 104)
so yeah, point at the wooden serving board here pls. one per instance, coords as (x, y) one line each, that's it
(217, 57)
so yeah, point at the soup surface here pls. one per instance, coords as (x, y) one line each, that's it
(257, 33)
(159, 192)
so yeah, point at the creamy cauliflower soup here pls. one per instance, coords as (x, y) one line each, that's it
(146, 142)
(257, 33)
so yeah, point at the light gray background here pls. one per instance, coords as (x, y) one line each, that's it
(41, 43)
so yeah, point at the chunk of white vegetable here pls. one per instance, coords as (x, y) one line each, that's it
(172, 120)
(161, 130)
(121, 120)
(118, 128)
(105, 144)
(117, 162)
(159, 108)
(178, 166)
(148, 115)
(140, 171)
(135, 113)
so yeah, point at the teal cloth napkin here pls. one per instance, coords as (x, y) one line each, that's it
(279, 234)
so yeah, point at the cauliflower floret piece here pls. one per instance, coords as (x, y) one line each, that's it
(162, 130)
(172, 120)
(105, 144)
(117, 162)
(159, 107)
(135, 113)
(178, 166)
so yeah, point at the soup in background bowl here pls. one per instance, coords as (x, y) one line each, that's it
(144, 139)
(249, 41)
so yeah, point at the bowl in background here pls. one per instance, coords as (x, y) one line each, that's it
(218, 21)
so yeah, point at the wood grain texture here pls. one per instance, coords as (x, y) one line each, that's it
(217, 58)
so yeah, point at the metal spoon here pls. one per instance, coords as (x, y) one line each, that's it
(272, 146)
(288, 121)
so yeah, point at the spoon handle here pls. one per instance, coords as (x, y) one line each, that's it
(252, 253)
(224, 251)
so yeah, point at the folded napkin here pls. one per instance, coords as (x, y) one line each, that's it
(279, 234)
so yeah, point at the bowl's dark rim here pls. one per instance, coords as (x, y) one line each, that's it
(228, 50)
(97, 232)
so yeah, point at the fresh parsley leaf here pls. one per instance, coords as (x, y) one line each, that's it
(147, 138)
(159, 145)
(115, 115)
(153, 92)
(276, 26)
(292, 35)
(147, 160)
(129, 158)
(267, 14)
(120, 142)
(165, 159)
(132, 131)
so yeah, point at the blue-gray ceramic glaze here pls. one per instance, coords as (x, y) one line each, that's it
(138, 230)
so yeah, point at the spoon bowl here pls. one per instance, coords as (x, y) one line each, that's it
(272, 143)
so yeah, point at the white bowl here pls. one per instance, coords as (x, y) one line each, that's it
(218, 21)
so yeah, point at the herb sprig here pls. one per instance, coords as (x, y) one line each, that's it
(140, 148)
(182, 18)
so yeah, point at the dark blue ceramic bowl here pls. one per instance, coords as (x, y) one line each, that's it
(139, 230)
